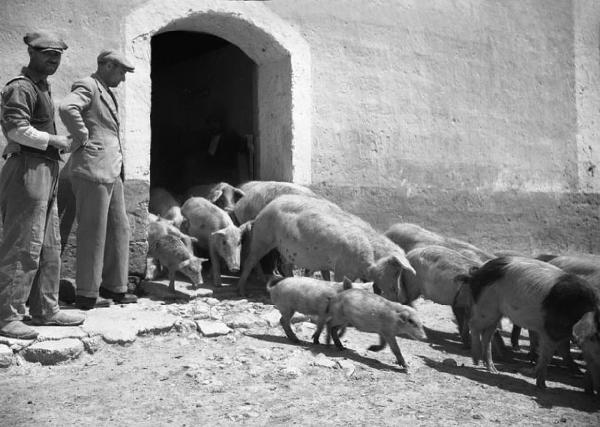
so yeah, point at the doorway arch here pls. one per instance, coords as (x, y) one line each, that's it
(283, 81)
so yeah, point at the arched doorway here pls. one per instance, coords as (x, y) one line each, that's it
(203, 115)
(282, 102)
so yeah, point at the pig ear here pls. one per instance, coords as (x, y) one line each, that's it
(404, 263)
(215, 196)
(246, 227)
(238, 194)
(585, 328)
(403, 317)
(216, 237)
(347, 283)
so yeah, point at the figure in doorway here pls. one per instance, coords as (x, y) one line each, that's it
(228, 155)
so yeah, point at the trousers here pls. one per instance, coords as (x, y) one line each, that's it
(30, 240)
(102, 257)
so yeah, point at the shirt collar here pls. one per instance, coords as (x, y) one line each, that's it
(37, 78)
(97, 77)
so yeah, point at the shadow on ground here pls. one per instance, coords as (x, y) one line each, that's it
(549, 398)
(330, 351)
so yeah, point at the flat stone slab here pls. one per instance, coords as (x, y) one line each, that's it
(122, 324)
(49, 333)
(243, 320)
(7, 357)
(183, 290)
(53, 352)
(211, 328)
(272, 317)
(14, 343)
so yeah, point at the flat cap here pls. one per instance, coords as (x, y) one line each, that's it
(45, 40)
(114, 56)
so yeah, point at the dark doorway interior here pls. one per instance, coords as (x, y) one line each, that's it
(203, 111)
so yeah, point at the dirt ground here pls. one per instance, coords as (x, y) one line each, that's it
(257, 377)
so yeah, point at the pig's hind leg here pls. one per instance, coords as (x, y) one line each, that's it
(335, 337)
(285, 321)
(172, 279)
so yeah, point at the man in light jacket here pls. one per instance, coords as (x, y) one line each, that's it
(90, 114)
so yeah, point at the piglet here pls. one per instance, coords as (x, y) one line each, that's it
(305, 295)
(369, 312)
(172, 253)
(222, 194)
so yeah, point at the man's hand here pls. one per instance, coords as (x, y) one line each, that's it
(63, 143)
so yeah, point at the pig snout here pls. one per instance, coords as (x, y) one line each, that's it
(410, 324)
(232, 259)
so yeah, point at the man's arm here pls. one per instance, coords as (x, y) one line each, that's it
(18, 101)
(71, 109)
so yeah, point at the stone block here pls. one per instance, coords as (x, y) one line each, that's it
(272, 317)
(53, 333)
(210, 328)
(121, 324)
(7, 357)
(53, 352)
(15, 344)
(243, 320)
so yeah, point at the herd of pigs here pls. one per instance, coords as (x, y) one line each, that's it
(265, 226)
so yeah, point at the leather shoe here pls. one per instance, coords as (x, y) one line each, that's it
(60, 318)
(87, 303)
(118, 297)
(19, 330)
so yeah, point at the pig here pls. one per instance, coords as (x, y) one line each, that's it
(222, 194)
(157, 228)
(409, 236)
(533, 294)
(440, 273)
(215, 232)
(172, 254)
(305, 295)
(585, 265)
(316, 234)
(259, 194)
(165, 205)
(369, 312)
(587, 335)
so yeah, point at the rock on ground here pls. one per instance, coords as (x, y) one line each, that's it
(53, 352)
(7, 357)
(210, 328)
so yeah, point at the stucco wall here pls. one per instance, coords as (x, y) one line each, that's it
(475, 118)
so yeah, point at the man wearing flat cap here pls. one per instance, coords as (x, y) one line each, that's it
(91, 114)
(30, 244)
